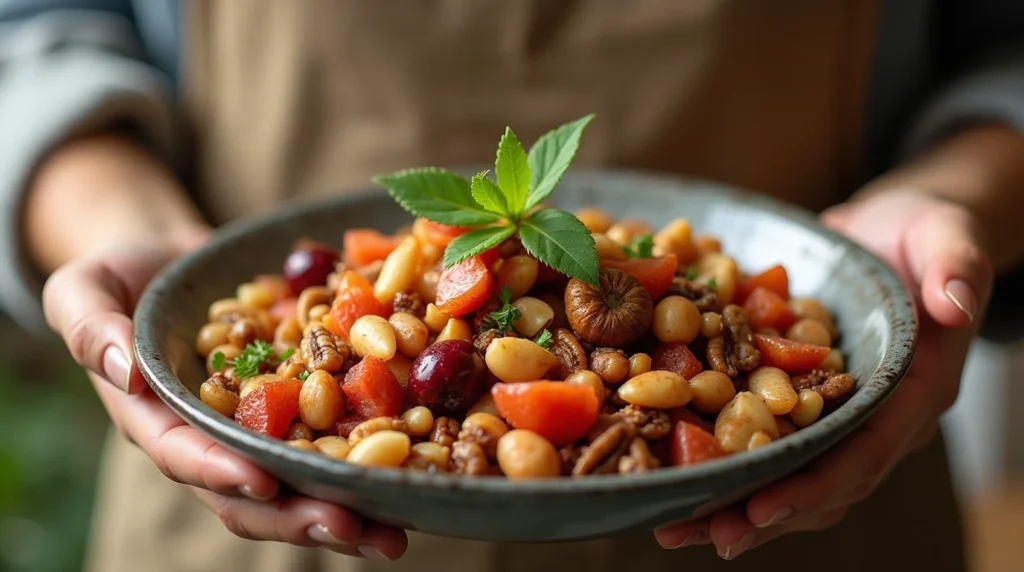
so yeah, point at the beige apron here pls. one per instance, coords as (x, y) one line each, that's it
(303, 98)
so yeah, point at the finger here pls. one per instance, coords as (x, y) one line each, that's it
(183, 453)
(306, 522)
(751, 537)
(88, 303)
(850, 471)
(945, 257)
(690, 533)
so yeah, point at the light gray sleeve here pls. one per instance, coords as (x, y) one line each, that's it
(993, 91)
(64, 72)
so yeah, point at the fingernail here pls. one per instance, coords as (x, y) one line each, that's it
(961, 294)
(320, 534)
(247, 491)
(779, 516)
(695, 537)
(372, 553)
(117, 367)
(740, 547)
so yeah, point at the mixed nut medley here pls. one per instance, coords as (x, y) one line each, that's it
(499, 365)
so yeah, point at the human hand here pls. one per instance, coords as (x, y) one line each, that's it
(938, 249)
(89, 303)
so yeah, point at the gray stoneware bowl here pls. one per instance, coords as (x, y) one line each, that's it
(873, 312)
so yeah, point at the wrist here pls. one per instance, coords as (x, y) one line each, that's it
(104, 190)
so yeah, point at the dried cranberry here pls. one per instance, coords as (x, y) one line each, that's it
(447, 377)
(308, 266)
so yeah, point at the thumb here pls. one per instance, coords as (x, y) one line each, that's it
(943, 251)
(89, 304)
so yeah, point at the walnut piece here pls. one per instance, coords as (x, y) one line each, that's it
(733, 352)
(469, 458)
(615, 314)
(650, 424)
(487, 441)
(323, 351)
(701, 295)
(410, 303)
(831, 386)
(602, 456)
(571, 355)
(445, 431)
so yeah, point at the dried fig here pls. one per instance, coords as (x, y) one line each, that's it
(614, 315)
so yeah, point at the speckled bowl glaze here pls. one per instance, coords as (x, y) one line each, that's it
(873, 311)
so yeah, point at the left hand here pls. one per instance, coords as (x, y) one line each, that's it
(938, 249)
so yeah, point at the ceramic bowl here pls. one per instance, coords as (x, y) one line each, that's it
(873, 311)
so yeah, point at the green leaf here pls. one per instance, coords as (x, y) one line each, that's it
(640, 247)
(474, 242)
(560, 240)
(436, 194)
(513, 170)
(551, 155)
(487, 193)
(219, 361)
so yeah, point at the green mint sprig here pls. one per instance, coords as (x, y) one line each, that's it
(499, 209)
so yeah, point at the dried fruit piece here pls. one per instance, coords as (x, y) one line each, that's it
(615, 314)
(655, 274)
(308, 266)
(774, 279)
(676, 357)
(560, 412)
(447, 377)
(363, 246)
(789, 356)
(465, 287)
(270, 408)
(373, 390)
(355, 299)
(766, 309)
(691, 445)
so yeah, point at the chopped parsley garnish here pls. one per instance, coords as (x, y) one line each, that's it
(253, 356)
(303, 375)
(691, 273)
(504, 318)
(641, 247)
(712, 283)
(544, 339)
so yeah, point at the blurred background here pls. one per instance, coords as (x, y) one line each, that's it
(50, 449)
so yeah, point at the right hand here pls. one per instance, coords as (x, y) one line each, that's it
(89, 302)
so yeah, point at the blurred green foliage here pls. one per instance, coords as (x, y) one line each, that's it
(49, 455)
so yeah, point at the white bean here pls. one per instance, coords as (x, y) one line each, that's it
(399, 270)
(381, 449)
(657, 389)
(373, 336)
(775, 388)
(514, 360)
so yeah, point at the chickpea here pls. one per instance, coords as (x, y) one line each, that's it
(255, 296)
(373, 336)
(229, 351)
(676, 319)
(758, 439)
(515, 360)
(535, 315)
(590, 379)
(745, 415)
(524, 454)
(304, 445)
(410, 333)
(807, 409)
(492, 425)
(426, 284)
(710, 324)
(608, 249)
(639, 363)
(813, 309)
(810, 331)
(320, 401)
(834, 361)
(455, 329)
(657, 390)
(210, 336)
(288, 332)
(381, 449)
(435, 318)
(518, 273)
(773, 386)
(219, 399)
(711, 391)
(611, 365)
(419, 419)
(596, 220)
(333, 446)
(243, 332)
(299, 430)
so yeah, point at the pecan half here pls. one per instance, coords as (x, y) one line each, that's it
(831, 386)
(469, 458)
(571, 355)
(701, 295)
(650, 424)
(602, 456)
(445, 431)
(410, 303)
(322, 351)
(639, 459)
(733, 352)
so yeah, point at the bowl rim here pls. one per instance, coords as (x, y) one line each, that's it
(900, 312)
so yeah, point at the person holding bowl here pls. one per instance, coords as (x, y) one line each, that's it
(131, 129)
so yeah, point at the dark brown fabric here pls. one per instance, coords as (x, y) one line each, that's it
(301, 98)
